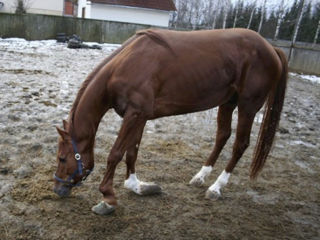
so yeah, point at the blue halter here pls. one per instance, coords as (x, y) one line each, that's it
(79, 170)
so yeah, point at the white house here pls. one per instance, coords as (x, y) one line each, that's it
(150, 12)
(49, 7)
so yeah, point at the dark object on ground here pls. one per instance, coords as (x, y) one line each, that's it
(76, 42)
(4, 171)
(62, 38)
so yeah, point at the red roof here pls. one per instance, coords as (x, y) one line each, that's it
(166, 5)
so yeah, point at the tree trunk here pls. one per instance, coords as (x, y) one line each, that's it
(225, 13)
(236, 16)
(262, 15)
(317, 34)
(279, 20)
(296, 27)
(215, 13)
(251, 15)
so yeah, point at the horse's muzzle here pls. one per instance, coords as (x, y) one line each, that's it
(62, 190)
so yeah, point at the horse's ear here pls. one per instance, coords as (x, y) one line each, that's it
(62, 133)
(65, 124)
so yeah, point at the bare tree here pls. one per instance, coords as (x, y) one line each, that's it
(236, 15)
(196, 16)
(217, 7)
(298, 22)
(253, 6)
(317, 34)
(226, 6)
(262, 15)
(297, 26)
(207, 11)
(182, 7)
(21, 6)
(279, 20)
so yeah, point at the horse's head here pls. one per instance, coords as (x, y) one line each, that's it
(70, 170)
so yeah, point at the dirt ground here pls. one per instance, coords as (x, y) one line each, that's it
(38, 83)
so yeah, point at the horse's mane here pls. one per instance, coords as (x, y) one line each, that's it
(91, 76)
(152, 34)
(155, 36)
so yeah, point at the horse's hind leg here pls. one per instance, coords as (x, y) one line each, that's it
(223, 134)
(246, 114)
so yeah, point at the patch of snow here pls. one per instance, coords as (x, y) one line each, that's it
(270, 198)
(311, 78)
(258, 118)
(21, 43)
(301, 164)
(14, 39)
(304, 165)
(299, 142)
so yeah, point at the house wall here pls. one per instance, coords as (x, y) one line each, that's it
(129, 14)
(50, 7)
(84, 4)
(9, 6)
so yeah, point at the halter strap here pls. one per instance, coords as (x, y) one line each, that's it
(79, 169)
(77, 156)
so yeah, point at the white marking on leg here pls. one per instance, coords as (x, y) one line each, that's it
(200, 177)
(221, 181)
(140, 187)
(133, 183)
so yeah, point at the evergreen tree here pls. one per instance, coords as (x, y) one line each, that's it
(290, 18)
(307, 26)
(244, 15)
(230, 17)
(316, 18)
(269, 26)
(256, 19)
(20, 7)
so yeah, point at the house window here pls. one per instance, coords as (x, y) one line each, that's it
(83, 12)
(68, 8)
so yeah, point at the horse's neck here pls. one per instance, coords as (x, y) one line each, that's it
(90, 110)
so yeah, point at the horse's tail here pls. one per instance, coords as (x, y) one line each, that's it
(271, 118)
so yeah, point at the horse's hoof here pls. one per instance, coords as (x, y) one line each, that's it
(212, 195)
(103, 208)
(198, 182)
(149, 189)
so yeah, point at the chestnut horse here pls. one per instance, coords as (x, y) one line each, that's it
(159, 73)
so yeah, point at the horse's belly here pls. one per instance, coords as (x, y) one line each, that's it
(193, 101)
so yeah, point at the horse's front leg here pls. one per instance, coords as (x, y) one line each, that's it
(132, 182)
(130, 133)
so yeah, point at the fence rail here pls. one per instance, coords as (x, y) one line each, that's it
(305, 57)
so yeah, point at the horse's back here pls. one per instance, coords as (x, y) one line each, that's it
(172, 72)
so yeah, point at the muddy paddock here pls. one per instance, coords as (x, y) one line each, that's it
(38, 83)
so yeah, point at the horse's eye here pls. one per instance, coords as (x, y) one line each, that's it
(63, 160)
